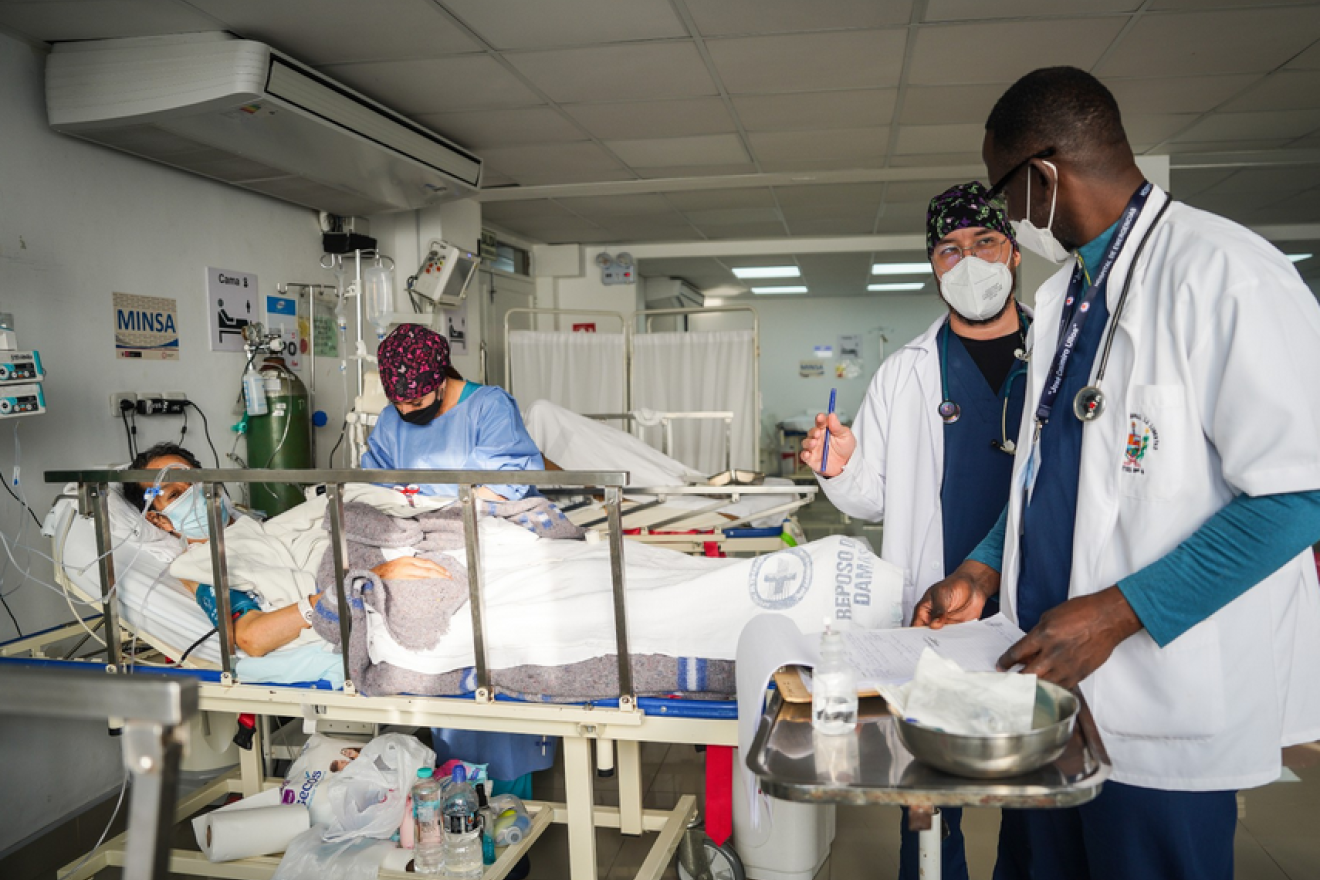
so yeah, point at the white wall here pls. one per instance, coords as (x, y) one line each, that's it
(584, 290)
(79, 222)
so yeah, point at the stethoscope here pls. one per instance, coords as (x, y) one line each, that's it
(1089, 403)
(950, 412)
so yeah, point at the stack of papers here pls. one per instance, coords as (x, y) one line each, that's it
(889, 656)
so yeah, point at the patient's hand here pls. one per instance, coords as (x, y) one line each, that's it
(410, 568)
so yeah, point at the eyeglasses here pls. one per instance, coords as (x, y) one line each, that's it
(998, 188)
(989, 248)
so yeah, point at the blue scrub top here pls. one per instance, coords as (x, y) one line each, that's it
(484, 431)
(1048, 522)
(977, 476)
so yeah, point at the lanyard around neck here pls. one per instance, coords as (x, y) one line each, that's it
(1075, 314)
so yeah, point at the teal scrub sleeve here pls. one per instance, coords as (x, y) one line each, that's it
(991, 549)
(1248, 540)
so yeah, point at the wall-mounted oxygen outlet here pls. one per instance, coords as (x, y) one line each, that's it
(117, 398)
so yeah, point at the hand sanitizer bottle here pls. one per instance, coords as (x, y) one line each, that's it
(833, 687)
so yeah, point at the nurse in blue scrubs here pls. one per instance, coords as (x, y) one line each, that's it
(440, 420)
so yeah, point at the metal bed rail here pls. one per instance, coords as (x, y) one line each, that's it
(94, 487)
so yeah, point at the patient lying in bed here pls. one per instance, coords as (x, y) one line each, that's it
(180, 509)
(547, 602)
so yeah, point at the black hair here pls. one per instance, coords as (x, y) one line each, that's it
(1064, 109)
(451, 373)
(136, 493)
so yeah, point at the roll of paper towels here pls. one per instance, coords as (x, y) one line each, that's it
(228, 834)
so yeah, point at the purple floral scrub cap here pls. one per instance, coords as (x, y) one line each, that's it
(961, 207)
(412, 362)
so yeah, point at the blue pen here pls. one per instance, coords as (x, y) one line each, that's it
(825, 450)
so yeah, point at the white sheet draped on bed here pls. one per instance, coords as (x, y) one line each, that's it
(584, 372)
(700, 371)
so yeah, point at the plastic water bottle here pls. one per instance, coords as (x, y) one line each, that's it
(254, 393)
(462, 829)
(429, 836)
(833, 688)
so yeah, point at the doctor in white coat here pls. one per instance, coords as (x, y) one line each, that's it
(1156, 545)
(931, 450)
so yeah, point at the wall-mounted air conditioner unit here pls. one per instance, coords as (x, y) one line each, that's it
(672, 293)
(238, 111)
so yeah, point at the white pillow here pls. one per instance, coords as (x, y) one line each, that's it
(126, 520)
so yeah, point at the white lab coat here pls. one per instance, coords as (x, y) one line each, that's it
(1216, 368)
(896, 472)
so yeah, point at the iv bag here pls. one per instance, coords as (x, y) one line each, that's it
(378, 295)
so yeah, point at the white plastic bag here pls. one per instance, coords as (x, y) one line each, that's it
(311, 858)
(969, 703)
(321, 758)
(368, 797)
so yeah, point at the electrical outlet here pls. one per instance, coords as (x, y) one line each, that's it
(118, 396)
(148, 395)
(176, 395)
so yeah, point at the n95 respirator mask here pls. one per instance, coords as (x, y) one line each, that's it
(977, 290)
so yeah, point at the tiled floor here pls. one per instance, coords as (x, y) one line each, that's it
(1278, 836)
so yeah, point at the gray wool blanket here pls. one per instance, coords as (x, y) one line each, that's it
(418, 613)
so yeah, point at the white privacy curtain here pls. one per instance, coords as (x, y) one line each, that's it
(695, 371)
(582, 372)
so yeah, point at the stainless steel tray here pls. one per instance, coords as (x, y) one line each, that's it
(871, 765)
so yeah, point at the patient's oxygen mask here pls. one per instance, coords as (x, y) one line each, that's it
(187, 514)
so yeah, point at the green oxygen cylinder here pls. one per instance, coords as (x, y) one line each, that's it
(282, 438)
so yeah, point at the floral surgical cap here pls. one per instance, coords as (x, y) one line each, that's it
(962, 207)
(412, 362)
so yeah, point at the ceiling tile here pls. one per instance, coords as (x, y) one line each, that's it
(939, 138)
(1280, 181)
(528, 24)
(1227, 41)
(832, 226)
(1177, 94)
(645, 229)
(555, 163)
(1247, 126)
(810, 166)
(918, 190)
(564, 233)
(811, 146)
(499, 128)
(494, 180)
(814, 110)
(900, 224)
(947, 105)
(313, 31)
(1228, 146)
(530, 210)
(1155, 129)
(937, 160)
(842, 194)
(809, 62)
(799, 213)
(598, 208)
(1190, 181)
(1210, 4)
(728, 216)
(1283, 90)
(744, 230)
(647, 119)
(617, 73)
(420, 86)
(695, 171)
(704, 149)
(1004, 51)
(1308, 60)
(725, 17)
(710, 199)
(971, 10)
(59, 20)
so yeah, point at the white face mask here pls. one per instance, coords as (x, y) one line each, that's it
(976, 289)
(1033, 238)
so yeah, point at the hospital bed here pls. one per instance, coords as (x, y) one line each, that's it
(616, 728)
(669, 503)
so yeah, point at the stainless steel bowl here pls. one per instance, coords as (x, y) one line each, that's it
(997, 756)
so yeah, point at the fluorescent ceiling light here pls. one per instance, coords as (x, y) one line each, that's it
(1297, 258)
(767, 272)
(792, 289)
(900, 268)
(901, 285)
